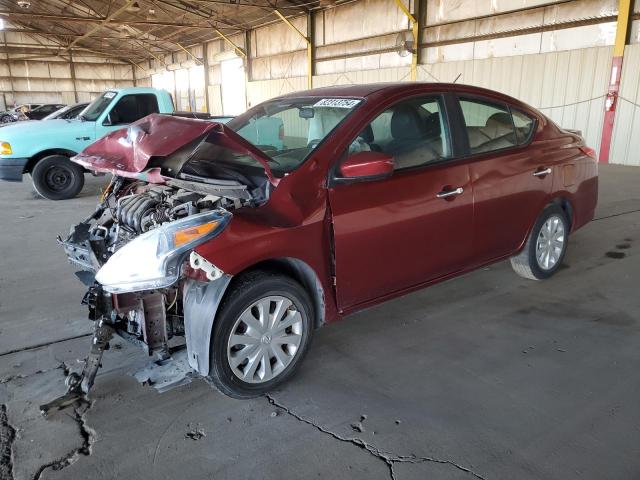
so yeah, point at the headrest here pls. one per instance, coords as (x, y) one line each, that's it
(367, 134)
(498, 124)
(406, 123)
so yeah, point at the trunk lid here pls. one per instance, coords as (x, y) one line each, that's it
(127, 152)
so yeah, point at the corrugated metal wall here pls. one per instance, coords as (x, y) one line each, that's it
(31, 81)
(567, 86)
(626, 130)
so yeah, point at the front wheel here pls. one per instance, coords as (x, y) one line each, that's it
(6, 119)
(57, 178)
(542, 255)
(262, 333)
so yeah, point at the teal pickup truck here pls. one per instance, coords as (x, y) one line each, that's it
(43, 149)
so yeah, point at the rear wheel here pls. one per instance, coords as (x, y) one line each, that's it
(262, 333)
(6, 119)
(544, 251)
(57, 178)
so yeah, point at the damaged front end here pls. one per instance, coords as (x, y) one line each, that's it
(136, 255)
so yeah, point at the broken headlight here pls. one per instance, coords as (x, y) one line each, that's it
(153, 259)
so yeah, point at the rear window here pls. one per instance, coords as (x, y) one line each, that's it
(489, 126)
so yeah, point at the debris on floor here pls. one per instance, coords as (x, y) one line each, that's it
(357, 426)
(196, 433)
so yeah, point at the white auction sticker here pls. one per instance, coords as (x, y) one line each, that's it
(109, 94)
(338, 102)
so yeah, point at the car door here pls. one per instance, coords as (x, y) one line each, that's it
(393, 234)
(511, 180)
(126, 110)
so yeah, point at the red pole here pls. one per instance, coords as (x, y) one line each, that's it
(622, 31)
(610, 105)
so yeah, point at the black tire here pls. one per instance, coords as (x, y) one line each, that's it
(526, 263)
(57, 178)
(242, 294)
(6, 119)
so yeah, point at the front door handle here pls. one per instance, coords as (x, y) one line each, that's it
(450, 193)
(542, 173)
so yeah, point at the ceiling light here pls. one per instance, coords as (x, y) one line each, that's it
(1, 24)
(24, 4)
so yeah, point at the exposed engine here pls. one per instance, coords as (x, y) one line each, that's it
(140, 212)
(130, 209)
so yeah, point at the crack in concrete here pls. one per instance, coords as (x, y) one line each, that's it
(20, 376)
(7, 436)
(88, 439)
(7, 433)
(616, 215)
(44, 344)
(389, 459)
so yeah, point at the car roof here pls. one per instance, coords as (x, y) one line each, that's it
(368, 89)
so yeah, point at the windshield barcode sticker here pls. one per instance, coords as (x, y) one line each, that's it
(337, 102)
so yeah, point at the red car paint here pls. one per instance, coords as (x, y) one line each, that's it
(368, 241)
(366, 165)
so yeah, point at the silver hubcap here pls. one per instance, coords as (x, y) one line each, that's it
(265, 339)
(550, 243)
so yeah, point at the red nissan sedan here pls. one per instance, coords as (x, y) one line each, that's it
(233, 243)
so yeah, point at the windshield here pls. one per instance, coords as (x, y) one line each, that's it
(99, 105)
(288, 130)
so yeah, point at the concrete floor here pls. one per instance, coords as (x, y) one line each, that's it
(487, 376)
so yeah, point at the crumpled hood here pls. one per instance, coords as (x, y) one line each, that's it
(127, 152)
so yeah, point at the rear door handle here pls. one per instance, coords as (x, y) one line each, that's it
(542, 173)
(450, 193)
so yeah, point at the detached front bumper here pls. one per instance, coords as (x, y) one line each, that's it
(11, 169)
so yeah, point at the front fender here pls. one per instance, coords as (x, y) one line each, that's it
(28, 140)
(200, 302)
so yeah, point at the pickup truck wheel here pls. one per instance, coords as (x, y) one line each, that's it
(6, 119)
(57, 178)
(262, 332)
(544, 251)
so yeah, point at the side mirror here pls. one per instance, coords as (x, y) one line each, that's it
(367, 166)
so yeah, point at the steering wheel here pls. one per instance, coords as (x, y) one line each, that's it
(313, 143)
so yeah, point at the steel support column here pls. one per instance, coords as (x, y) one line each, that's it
(13, 90)
(611, 102)
(205, 62)
(72, 69)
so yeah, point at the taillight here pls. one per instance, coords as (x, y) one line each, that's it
(281, 132)
(588, 151)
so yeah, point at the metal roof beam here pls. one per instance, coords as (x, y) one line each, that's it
(76, 19)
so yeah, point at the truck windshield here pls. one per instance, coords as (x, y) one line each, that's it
(288, 129)
(95, 108)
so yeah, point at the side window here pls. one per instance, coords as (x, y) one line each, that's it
(524, 126)
(413, 132)
(489, 126)
(133, 107)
